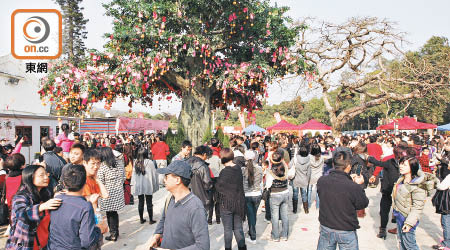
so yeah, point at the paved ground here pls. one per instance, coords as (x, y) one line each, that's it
(304, 229)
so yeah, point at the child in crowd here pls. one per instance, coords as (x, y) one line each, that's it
(73, 226)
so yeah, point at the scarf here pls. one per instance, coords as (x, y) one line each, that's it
(230, 189)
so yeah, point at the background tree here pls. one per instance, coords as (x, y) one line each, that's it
(74, 30)
(213, 54)
(359, 47)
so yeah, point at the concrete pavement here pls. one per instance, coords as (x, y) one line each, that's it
(304, 229)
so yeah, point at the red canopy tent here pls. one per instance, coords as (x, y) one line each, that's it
(314, 125)
(426, 125)
(283, 126)
(406, 123)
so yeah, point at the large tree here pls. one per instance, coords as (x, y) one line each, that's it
(74, 32)
(212, 54)
(356, 57)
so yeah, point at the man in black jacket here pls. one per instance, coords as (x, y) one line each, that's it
(54, 163)
(340, 196)
(201, 182)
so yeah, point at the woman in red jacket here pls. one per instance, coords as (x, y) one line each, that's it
(15, 163)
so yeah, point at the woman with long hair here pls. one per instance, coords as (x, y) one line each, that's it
(409, 199)
(232, 200)
(112, 175)
(145, 183)
(277, 183)
(253, 176)
(28, 206)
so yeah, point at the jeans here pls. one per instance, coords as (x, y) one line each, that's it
(279, 208)
(308, 197)
(407, 240)
(294, 191)
(232, 223)
(252, 203)
(385, 208)
(330, 238)
(445, 222)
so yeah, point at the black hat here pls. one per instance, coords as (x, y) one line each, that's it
(180, 168)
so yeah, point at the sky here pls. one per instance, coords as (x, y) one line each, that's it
(420, 19)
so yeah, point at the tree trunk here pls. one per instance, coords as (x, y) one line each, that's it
(195, 115)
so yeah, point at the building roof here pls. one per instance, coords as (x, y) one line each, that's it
(11, 115)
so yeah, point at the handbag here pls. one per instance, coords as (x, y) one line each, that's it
(441, 201)
(4, 211)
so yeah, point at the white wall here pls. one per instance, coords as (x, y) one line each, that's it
(23, 97)
(36, 124)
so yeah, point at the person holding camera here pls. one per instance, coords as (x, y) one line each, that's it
(341, 195)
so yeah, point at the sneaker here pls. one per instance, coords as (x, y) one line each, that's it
(439, 247)
(250, 241)
(284, 238)
(274, 240)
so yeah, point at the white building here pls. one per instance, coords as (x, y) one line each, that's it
(21, 110)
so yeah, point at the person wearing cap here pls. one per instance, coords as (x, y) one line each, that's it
(189, 231)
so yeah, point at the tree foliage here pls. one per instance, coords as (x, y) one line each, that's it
(74, 30)
(212, 53)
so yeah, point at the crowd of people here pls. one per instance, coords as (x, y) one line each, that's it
(58, 201)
